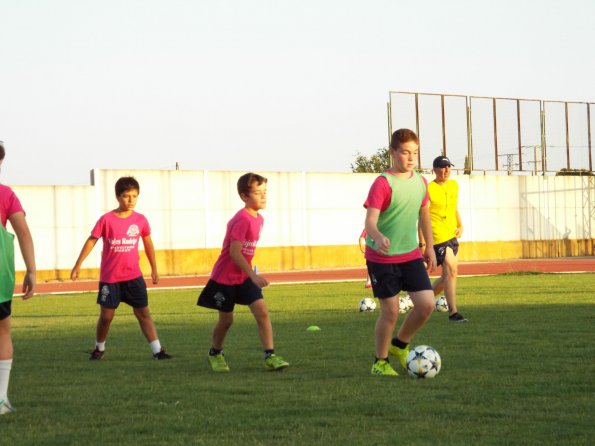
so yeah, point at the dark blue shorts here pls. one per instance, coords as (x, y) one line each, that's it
(440, 249)
(132, 292)
(5, 309)
(389, 279)
(224, 297)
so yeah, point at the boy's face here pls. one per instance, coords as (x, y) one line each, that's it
(257, 197)
(127, 200)
(405, 156)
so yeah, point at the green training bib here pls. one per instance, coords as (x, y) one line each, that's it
(6, 265)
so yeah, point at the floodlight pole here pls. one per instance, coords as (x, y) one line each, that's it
(519, 139)
(567, 136)
(443, 125)
(543, 138)
(495, 132)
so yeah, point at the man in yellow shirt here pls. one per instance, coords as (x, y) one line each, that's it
(447, 227)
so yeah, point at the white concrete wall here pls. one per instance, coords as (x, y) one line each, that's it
(190, 209)
(60, 219)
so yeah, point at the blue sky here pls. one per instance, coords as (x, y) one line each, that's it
(259, 85)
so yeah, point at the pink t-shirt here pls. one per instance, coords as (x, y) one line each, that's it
(119, 258)
(9, 204)
(245, 228)
(379, 197)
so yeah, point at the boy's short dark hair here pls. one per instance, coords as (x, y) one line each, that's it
(126, 183)
(246, 180)
(2, 152)
(402, 136)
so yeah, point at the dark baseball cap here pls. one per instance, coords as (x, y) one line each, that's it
(442, 161)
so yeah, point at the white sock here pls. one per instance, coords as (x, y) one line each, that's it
(100, 346)
(5, 366)
(155, 346)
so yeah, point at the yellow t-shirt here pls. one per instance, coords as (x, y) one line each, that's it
(443, 209)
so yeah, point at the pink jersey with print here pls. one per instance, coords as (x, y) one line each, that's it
(244, 228)
(379, 197)
(119, 258)
(9, 204)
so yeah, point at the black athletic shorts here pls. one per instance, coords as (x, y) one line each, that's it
(440, 249)
(389, 279)
(224, 297)
(133, 292)
(5, 309)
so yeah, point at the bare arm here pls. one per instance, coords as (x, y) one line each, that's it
(459, 231)
(382, 243)
(87, 248)
(21, 228)
(150, 252)
(420, 236)
(425, 225)
(235, 252)
(362, 244)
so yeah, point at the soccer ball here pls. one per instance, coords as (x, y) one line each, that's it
(405, 304)
(423, 362)
(367, 304)
(441, 305)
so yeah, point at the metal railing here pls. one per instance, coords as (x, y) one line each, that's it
(497, 134)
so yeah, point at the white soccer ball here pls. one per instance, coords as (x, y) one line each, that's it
(441, 305)
(423, 362)
(367, 304)
(405, 304)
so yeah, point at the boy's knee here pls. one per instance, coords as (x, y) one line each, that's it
(142, 313)
(225, 320)
(4, 329)
(425, 307)
(226, 323)
(262, 317)
(106, 319)
(428, 309)
(390, 313)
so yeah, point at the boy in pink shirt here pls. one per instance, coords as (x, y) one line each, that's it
(233, 280)
(121, 279)
(11, 210)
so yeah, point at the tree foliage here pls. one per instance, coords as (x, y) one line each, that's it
(376, 163)
(575, 172)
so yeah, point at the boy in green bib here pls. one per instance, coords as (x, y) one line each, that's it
(11, 210)
(397, 200)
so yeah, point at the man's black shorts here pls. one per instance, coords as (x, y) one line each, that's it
(440, 249)
(389, 279)
(224, 297)
(132, 292)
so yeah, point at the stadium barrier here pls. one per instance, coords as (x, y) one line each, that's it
(312, 220)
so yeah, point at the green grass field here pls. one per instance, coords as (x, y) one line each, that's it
(520, 372)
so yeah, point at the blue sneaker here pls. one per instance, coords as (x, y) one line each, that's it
(457, 317)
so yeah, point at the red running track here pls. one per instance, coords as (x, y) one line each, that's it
(574, 264)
